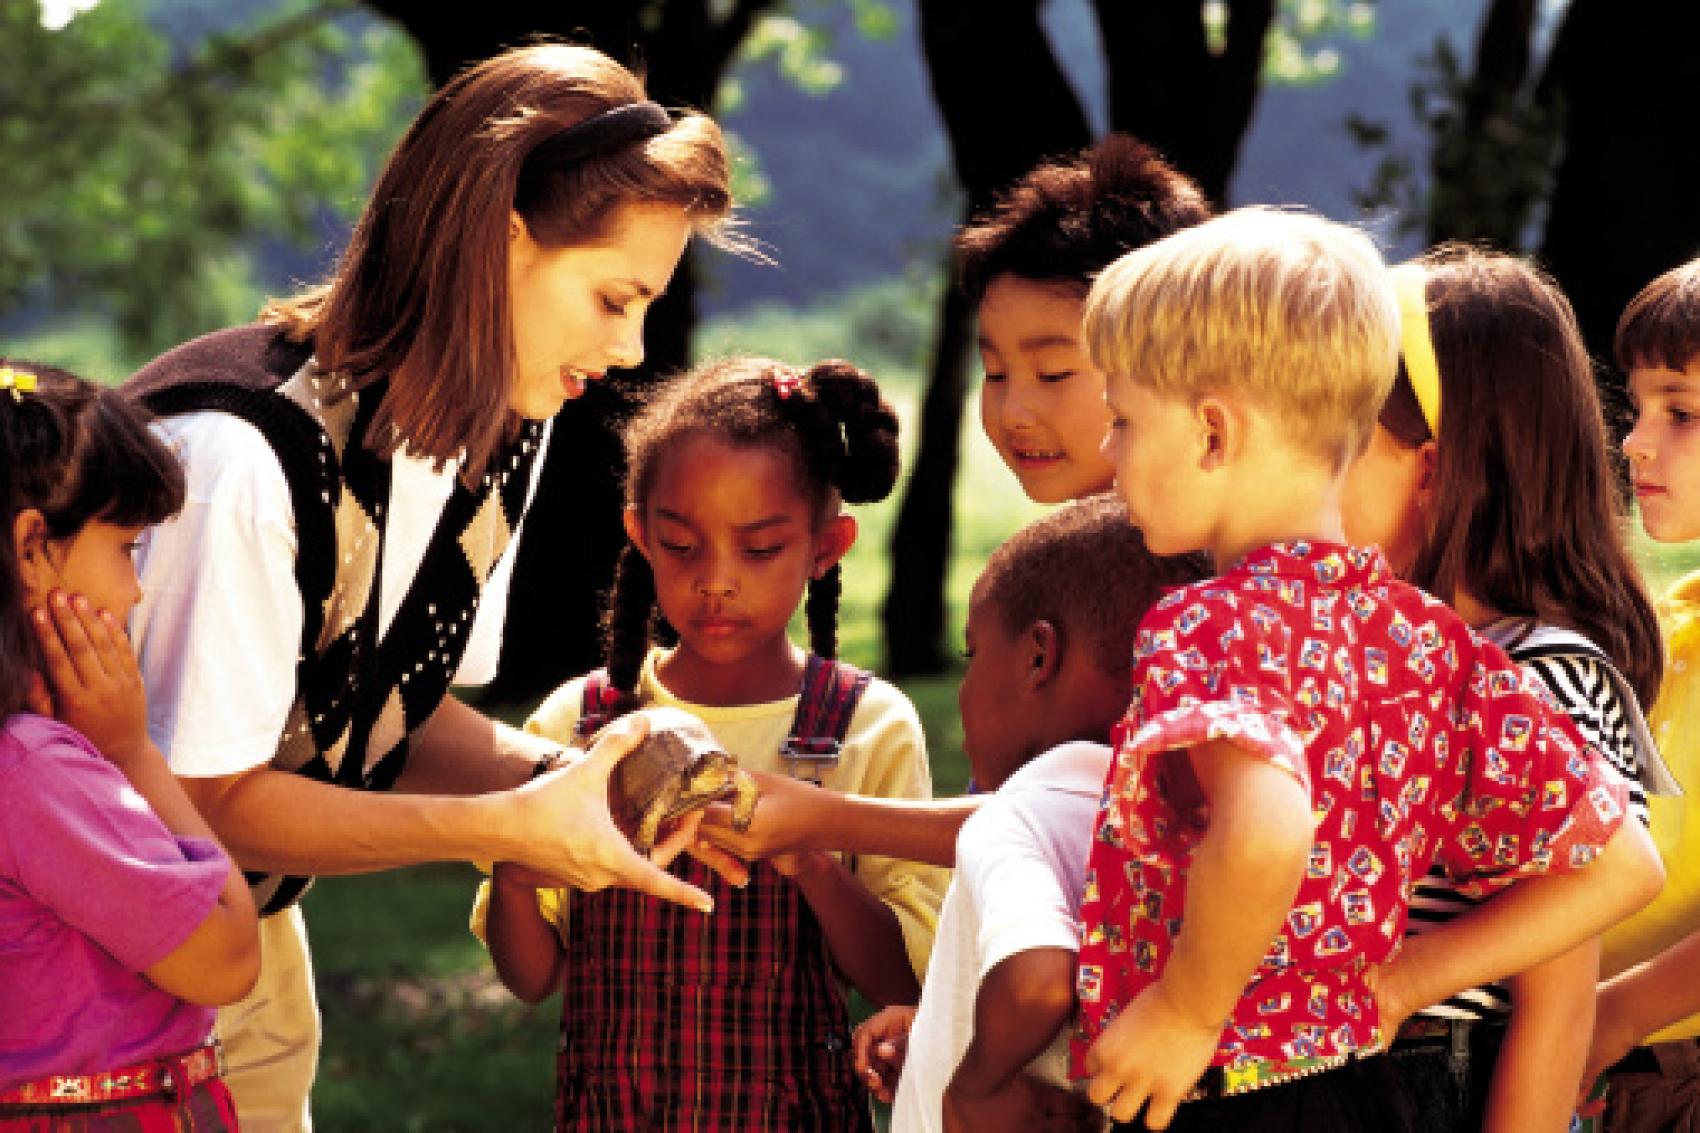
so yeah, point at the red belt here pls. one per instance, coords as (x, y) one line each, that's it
(174, 1076)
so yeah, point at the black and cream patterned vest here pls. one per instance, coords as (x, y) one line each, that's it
(358, 698)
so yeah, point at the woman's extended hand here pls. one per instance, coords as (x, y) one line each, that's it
(561, 825)
(91, 675)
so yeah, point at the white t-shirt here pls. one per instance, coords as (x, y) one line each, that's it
(1020, 867)
(218, 630)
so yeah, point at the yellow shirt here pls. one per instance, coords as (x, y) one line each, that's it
(1675, 721)
(884, 754)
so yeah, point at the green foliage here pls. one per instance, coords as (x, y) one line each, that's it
(1300, 49)
(1490, 157)
(139, 175)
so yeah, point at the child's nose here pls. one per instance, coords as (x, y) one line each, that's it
(1635, 444)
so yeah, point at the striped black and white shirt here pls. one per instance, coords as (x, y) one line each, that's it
(1600, 702)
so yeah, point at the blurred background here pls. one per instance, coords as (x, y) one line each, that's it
(167, 164)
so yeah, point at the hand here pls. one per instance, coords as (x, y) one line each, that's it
(1149, 1056)
(560, 825)
(92, 678)
(1023, 1105)
(788, 814)
(880, 1045)
(1393, 1002)
(1615, 1034)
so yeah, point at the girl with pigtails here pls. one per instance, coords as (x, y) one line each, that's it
(737, 477)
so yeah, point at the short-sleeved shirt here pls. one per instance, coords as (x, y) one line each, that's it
(1019, 865)
(1414, 740)
(94, 889)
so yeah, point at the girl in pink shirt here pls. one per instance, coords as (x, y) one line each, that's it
(122, 920)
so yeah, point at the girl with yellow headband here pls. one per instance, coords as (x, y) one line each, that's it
(1488, 483)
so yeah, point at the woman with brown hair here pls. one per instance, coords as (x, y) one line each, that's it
(359, 465)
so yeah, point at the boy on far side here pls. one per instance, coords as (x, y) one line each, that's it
(1648, 1015)
(1050, 625)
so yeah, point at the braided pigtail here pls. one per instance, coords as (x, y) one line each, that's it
(820, 610)
(630, 614)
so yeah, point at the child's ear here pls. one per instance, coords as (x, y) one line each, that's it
(832, 542)
(634, 529)
(29, 541)
(1220, 428)
(1428, 472)
(1044, 654)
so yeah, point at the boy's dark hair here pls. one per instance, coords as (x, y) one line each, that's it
(1525, 513)
(830, 422)
(1084, 568)
(1065, 221)
(1661, 325)
(75, 452)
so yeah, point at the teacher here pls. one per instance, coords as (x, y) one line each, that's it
(359, 465)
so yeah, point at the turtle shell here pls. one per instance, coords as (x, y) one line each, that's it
(676, 742)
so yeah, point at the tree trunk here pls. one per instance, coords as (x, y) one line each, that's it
(1626, 201)
(998, 129)
(1169, 90)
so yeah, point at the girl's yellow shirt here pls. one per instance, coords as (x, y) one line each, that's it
(1675, 721)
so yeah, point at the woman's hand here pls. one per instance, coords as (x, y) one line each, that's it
(91, 676)
(560, 825)
(880, 1045)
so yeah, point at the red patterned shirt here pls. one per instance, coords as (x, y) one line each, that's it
(1414, 739)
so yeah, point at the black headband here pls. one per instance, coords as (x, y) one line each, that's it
(632, 122)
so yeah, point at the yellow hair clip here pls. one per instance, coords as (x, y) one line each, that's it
(18, 382)
(1416, 344)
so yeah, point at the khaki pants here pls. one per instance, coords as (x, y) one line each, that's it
(271, 1036)
(1666, 1102)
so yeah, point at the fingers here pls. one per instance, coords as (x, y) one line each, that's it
(728, 865)
(680, 836)
(635, 872)
(615, 741)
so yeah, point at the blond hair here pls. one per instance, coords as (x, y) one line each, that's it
(1292, 310)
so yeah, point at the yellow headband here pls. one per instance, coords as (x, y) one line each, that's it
(17, 381)
(1410, 283)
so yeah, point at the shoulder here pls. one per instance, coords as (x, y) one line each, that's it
(557, 717)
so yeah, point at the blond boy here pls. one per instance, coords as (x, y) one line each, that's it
(1307, 733)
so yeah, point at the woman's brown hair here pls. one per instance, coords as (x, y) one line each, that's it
(421, 294)
(1525, 516)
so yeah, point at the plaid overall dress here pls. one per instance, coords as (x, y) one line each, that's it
(732, 1022)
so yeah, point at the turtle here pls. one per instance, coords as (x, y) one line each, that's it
(678, 768)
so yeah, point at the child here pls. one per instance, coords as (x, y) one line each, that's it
(1646, 1021)
(1049, 623)
(1026, 265)
(736, 477)
(1488, 483)
(1306, 732)
(122, 919)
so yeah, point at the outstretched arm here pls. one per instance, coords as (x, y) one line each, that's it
(1641, 1000)
(795, 816)
(1244, 875)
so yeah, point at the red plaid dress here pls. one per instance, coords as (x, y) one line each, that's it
(1415, 739)
(731, 1022)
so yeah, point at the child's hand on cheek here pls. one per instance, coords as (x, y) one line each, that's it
(1149, 1056)
(91, 675)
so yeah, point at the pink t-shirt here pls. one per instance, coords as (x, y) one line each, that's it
(93, 889)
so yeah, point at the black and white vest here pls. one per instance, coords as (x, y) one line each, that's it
(359, 699)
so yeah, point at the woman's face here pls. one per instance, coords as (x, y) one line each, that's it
(1385, 493)
(1042, 404)
(578, 310)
